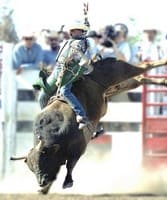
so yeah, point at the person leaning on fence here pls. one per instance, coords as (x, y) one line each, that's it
(27, 54)
(53, 47)
(77, 54)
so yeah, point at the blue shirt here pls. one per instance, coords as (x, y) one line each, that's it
(27, 58)
(92, 49)
(125, 49)
(49, 56)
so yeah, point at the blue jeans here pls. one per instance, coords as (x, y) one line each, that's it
(66, 92)
(72, 100)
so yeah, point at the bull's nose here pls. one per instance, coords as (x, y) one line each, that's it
(43, 180)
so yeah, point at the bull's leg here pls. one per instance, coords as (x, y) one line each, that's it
(45, 189)
(68, 182)
(154, 81)
(152, 64)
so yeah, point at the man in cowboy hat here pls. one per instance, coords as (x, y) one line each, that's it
(77, 53)
(27, 54)
(53, 47)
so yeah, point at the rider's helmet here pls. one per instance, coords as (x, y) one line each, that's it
(120, 27)
(78, 25)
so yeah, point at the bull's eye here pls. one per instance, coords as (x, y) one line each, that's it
(52, 131)
(42, 151)
(45, 150)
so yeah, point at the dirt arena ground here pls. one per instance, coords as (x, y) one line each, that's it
(81, 197)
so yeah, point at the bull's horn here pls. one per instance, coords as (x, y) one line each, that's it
(39, 145)
(18, 158)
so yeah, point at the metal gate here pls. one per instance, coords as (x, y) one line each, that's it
(154, 124)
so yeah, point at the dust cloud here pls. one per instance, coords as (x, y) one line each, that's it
(103, 169)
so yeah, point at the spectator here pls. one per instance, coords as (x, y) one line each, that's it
(95, 41)
(95, 36)
(150, 49)
(115, 42)
(42, 38)
(63, 35)
(27, 54)
(54, 46)
(116, 45)
(124, 50)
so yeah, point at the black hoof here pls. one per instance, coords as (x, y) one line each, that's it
(43, 192)
(67, 185)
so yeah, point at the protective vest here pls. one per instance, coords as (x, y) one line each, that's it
(68, 61)
(67, 64)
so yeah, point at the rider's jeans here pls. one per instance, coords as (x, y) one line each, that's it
(72, 100)
(67, 94)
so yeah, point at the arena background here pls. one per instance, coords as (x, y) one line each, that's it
(112, 164)
(112, 167)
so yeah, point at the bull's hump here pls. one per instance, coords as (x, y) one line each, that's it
(53, 119)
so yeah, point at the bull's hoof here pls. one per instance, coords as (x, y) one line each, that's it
(42, 191)
(68, 182)
(67, 185)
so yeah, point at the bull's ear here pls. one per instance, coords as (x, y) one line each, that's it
(56, 147)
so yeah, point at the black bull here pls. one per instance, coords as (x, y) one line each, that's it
(58, 140)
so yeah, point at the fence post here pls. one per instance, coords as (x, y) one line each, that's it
(8, 108)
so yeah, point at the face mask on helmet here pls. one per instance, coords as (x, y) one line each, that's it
(78, 34)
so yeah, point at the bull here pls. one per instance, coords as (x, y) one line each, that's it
(57, 139)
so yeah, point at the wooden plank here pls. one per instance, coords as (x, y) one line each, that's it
(26, 79)
(156, 144)
(155, 125)
(154, 162)
(27, 111)
(123, 112)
